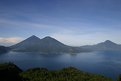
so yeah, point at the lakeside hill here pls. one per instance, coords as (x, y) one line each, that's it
(104, 46)
(45, 45)
(4, 49)
(11, 72)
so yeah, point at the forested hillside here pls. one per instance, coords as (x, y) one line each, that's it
(10, 72)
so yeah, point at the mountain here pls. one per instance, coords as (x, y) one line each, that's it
(4, 49)
(106, 45)
(51, 45)
(45, 45)
(31, 44)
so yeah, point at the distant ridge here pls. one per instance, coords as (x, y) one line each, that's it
(106, 45)
(4, 49)
(51, 45)
(45, 45)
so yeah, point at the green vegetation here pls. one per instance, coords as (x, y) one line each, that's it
(10, 72)
(66, 74)
(119, 78)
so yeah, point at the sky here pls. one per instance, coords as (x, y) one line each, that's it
(72, 22)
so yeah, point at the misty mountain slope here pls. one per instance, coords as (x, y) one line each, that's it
(32, 44)
(106, 45)
(49, 44)
(45, 45)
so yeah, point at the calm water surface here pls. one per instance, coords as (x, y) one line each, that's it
(106, 63)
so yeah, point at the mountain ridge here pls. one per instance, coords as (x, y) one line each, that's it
(51, 45)
(103, 46)
(44, 45)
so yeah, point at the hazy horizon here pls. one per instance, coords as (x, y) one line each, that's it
(13, 43)
(72, 22)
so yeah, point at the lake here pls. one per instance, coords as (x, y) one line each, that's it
(107, 63)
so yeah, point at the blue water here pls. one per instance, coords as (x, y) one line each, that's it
(107, 63)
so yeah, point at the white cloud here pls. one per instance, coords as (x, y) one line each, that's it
(9, 40)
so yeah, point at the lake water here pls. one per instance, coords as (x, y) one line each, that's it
(107, 63)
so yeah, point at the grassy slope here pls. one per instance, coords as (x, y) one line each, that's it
(66, 74)
(10, 72)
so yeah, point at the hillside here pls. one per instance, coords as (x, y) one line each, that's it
(10, 72)
(4, 49)
(104, 46)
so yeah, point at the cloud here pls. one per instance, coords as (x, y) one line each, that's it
(70, 31)
(21, 23)
(9, 40)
